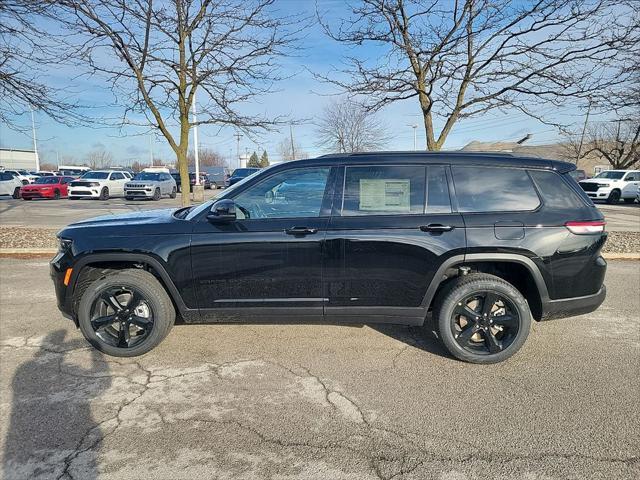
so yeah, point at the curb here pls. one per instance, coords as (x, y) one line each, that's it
(19, 252)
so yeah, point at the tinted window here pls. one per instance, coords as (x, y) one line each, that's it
(438, 200)
(632, 177)
(490, 189)
(555, 192)
(610, 175)
(294, 193)
(117, 176)
(383, 190)
(5, 176)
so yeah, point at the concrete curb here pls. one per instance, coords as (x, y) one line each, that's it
(10, 252)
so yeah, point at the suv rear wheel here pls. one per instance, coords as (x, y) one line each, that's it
(481, 318)
(126, 313)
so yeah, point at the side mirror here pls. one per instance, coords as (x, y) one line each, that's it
(223, 211)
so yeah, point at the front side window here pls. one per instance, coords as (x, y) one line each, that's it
(384, 190)
(289, 194)
(117, 176)
(612, 175)
(490, 189)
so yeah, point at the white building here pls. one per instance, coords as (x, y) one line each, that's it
(14, 159)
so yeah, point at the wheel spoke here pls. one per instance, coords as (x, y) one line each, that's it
(491, 341)
(123, 335)
(112, 301)
(465, 336)
(141, 322)
(134, 301)
(506, 320)
(488, 302)
(100, 322)
(466, 312)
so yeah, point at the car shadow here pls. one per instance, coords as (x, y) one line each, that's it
(51, 421)
(420, 337)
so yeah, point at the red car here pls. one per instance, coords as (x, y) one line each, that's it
(46, 187)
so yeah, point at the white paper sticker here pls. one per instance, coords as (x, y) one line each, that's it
(385, 195)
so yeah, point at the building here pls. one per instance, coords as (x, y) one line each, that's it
(14, 159)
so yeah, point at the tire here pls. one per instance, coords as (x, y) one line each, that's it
(56, 195)
(629, 200)
(25, 182)
(104, 194)
(614, 197)
(478, 346)
(153, 296)
(214, 186)
(173, 193)
(16, 193)
(72, 198)
(27, 198)
(128, 199)
(156, 195)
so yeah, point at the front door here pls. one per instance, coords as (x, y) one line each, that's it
(267, 264)
(393, 229)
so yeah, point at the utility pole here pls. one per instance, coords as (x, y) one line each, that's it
(238, 136)
(195, 139)
(35, 143)
(584, 129)
(293, 147)
(150, 149)
(415, 137)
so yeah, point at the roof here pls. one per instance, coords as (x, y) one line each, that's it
(496, 159)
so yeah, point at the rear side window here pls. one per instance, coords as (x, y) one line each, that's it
(555, 192)
(490, 189)
(438, 200)
(384, 190)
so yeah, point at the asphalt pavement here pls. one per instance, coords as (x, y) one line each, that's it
(315, 401)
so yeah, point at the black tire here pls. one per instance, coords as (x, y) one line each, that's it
(173, 193)
(25, 182)
(16, 193)
(27, 198)
(487, 338)
(614, 197)
(72, 198)
(152, 296)
(156, 195)
(56, 195)
(629, 200)
(214, 186)
(104, 193)
(128, 199)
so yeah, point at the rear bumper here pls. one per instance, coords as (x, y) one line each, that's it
(570, 307)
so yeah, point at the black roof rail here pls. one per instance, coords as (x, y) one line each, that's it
(421, 153)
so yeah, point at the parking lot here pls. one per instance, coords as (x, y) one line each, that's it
(320, 402)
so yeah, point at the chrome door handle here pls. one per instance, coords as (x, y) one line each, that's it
(436, 227)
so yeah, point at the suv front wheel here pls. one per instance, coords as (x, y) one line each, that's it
(126, 313)
(481, 318)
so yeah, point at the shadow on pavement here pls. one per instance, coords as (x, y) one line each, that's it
(422, 337)
(51, 421)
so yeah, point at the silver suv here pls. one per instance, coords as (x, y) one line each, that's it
(150, 185)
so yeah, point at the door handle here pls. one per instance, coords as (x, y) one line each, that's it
(300, 231)
(436, 227)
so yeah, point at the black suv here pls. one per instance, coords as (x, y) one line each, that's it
(483, 242)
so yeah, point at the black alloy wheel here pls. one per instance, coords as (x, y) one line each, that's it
(485, 323)
(121, 317)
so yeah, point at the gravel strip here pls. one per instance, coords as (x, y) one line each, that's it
(21, 237)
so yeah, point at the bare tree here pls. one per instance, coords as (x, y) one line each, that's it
(461, 58)
(347, 126)
(226, 50)
(287, 151)
(617, 142)
(207, 158)
(27, 55)
(99, 158)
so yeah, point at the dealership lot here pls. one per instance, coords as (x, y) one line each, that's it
(292, 401)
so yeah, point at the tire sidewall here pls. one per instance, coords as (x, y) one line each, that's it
(156, 194)
(449, 303)
(159, 309)
(104, 193)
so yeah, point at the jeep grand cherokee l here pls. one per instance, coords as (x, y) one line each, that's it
(484, 243)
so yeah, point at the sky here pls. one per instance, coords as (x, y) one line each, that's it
(300, 97)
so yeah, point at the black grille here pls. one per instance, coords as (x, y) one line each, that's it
(80, 184)
(589, 187)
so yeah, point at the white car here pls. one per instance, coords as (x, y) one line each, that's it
(100, 184)
(10, 185)
(150, 185)
(613, 185)
(24, 176)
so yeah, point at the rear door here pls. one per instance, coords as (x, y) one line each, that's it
(392, 227)
(116, 183)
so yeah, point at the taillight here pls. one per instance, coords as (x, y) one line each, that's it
(585, 228)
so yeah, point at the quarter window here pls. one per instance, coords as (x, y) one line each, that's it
(384, 190)
(555, 192)
(289, 194)
(490, 189)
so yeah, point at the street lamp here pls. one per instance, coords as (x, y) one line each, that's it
(415, 138)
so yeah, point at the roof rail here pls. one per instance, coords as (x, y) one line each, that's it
(421, 153)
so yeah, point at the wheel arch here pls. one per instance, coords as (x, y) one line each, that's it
(519, 270)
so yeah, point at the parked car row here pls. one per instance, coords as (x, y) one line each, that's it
(613, 185)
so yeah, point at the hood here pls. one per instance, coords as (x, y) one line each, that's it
(604, 181)
(134, 218)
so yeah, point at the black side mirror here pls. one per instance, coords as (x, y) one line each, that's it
(223, 211)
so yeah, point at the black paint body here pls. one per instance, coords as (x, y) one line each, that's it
(352, 269)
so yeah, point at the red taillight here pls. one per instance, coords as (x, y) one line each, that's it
(584, 228)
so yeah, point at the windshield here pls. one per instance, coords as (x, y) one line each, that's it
(96, 175)
(147, 176)
(611, 175)
(46, 180)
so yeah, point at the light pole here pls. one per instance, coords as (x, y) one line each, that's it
(415, 138)
(195, 139)
(35, 143)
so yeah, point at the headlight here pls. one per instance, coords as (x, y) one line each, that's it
(94, 184)
(64, 244)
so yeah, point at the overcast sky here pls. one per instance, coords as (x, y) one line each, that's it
(301, 97)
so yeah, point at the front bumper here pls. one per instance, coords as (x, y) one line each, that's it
(139, 192)
(57, 269)
(36, 194)
(570, 307)
(89, 192)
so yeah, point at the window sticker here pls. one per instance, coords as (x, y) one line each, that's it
(385, 195)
